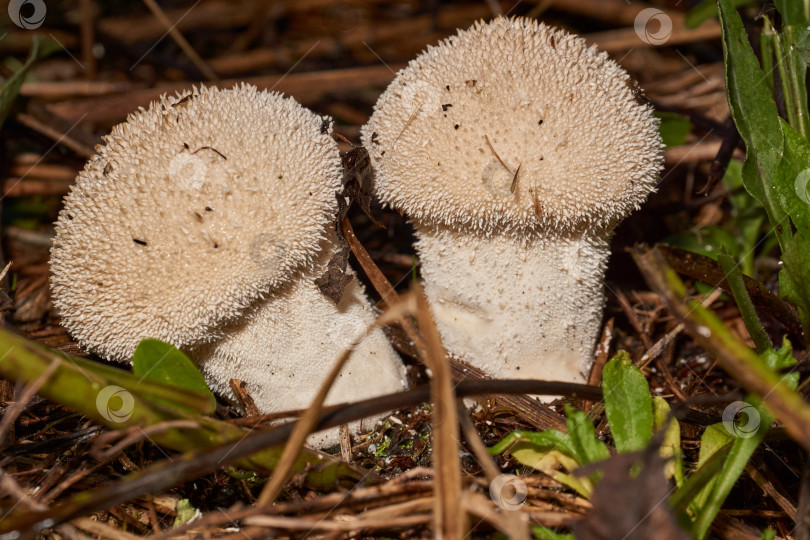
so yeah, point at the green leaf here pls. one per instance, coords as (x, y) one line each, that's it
(747, 217)
(768, 534)
(794, 12)
(583, 437)
(10, 88)
(794, 282)
(708, 241)
(791, 184)
(544, 533)
(707, 10)
(674, 128)
(547, 451)
(550, 438)
(743, 447)
(714, 439)
(754, 112)
(185, 511)
(671, 445)
(628, 404)
(161, 362)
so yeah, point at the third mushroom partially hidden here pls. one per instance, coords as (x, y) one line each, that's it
(515, 149)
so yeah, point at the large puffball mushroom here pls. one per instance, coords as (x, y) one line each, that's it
(204, 221)
(515, 149)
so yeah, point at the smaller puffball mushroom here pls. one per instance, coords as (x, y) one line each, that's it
(205, 221)
(515, 149)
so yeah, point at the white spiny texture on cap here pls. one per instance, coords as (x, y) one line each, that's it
(191, 212)
(291, 342)
(561, 111)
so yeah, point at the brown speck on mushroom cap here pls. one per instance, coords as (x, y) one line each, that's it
(190, 268)
(600, 148)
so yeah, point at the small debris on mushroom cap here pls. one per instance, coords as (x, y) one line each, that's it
(556, 109)
(193, 210)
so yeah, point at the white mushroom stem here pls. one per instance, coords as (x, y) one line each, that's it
(527, 308)
(288, 344)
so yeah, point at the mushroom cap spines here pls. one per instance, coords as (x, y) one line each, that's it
(193, 209)
(542, 100)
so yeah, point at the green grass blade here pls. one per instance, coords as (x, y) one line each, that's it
(744, 303)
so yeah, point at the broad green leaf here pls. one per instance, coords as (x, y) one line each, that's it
(628, 404)
(754, 111)
(674, 128)
(10, 88)
(747, 215)
(768, 534)
(794, 12)
(794, 283)
(714, 439)
(159, 361)
(707, 10)
(583, 436)
(544, 533)
(671, 445)
(792, 182)
(782, 358)
(708, 241)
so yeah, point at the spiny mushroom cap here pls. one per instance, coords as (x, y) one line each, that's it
(190, 212)
(506, 99)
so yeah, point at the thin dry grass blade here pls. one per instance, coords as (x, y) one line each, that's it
(449, 515)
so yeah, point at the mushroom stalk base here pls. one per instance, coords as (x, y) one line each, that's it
(290, 343)
(516, 308)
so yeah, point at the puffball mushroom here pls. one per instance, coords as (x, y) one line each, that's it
(515, 149)
(204, 221)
